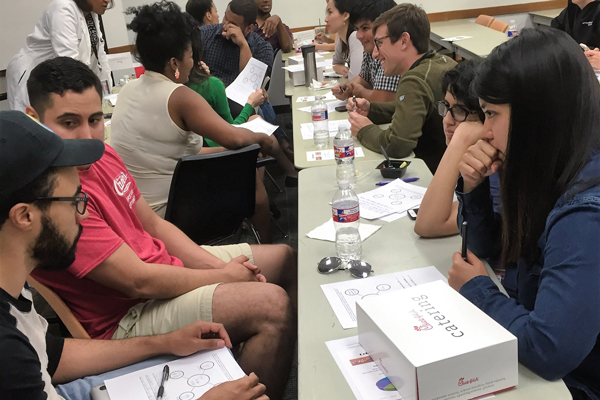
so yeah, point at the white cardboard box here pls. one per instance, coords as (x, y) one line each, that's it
(293, 60)
(297, 77)
(433, 344)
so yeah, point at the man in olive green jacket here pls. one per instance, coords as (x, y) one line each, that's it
(402, 47)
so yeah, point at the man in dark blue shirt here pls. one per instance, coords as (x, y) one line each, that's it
(229, 46)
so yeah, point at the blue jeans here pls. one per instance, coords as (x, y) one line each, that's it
(80, 389)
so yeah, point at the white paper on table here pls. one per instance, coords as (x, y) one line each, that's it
(307, 129)
(112, 99)
(363, 376)
(190, 377)
(326, 231)
(318, 85)
(330, 106)
(323, 52)
(329, 63)
(258, 125)
(342, 296)
(250, 79)
(324, 155)
(397, 196)
(326, 97)
(300, 67)
(456, 38)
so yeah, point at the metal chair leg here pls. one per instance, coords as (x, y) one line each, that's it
(285, 235)
(254, 231)
(273, 180)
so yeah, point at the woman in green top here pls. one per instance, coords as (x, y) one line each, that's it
(212, 89)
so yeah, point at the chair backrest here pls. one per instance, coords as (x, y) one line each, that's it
(499, 26)
(212, 194)
(484, 20)
(276, 89)
(60, 308)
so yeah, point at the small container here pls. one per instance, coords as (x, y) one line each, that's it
(397, 169)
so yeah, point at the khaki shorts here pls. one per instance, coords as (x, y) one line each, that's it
(155, 317)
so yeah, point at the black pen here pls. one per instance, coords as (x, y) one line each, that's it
(161, 388)
(463, 233)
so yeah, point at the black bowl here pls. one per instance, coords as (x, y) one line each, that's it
(394, 169)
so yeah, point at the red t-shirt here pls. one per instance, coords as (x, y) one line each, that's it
(112, 220)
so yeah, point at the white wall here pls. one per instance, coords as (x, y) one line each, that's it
(294, 13)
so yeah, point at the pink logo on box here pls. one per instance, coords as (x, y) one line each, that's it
(425, 326)
(463, 381)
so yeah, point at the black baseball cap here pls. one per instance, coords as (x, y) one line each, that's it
(28, 149)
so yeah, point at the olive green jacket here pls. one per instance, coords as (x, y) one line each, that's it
(415, 122)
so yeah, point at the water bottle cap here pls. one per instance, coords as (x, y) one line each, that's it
(344, 184)
(318, 97)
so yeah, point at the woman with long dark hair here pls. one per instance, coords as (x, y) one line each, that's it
(67, 28)
(542, 131)
(348, 49)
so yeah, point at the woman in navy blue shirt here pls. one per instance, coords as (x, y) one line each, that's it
(542, 132)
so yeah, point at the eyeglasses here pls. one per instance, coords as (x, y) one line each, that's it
(80, 201)
(379, 41)
(458, 113)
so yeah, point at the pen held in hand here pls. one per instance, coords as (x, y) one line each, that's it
(354, 100)
(463, 233)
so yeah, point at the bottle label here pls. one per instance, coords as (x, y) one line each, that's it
(345, 214)
(343, 151)
(319, 116)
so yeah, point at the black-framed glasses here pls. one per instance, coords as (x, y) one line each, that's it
(379, 41)
(458, 112)
(80, 201)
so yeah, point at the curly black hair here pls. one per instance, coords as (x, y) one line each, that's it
(162, 33)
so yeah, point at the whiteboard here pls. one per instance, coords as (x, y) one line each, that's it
(17, 19)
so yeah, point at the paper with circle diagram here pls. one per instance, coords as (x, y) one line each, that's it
(189, 378)
(250, 79)
(343, 295)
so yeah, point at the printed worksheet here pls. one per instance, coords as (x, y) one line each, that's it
(362, 374)
(395, 197)
(258, 125)
(189, 377)
(308, 130)
(323, 155)
(342, 296)
(250, 79)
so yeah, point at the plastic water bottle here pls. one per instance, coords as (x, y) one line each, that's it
(343, 148)
(512, 29)
(320, 124)
(346, 218)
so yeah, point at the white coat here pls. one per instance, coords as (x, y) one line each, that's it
(60, 31)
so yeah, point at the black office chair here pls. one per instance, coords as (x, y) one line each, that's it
(213, 195)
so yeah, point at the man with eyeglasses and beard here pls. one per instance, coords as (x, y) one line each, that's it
(41, 210)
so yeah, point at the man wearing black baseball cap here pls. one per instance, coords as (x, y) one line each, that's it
(41, 210)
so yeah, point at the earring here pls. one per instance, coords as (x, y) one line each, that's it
(176, 73)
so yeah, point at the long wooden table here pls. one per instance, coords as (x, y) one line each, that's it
(483, 40)
(301, 146)
(545, 17)
(394, 247)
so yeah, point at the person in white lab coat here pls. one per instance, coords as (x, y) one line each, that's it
(66, 28)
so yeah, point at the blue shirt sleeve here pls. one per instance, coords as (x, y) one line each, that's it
(561, 330)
